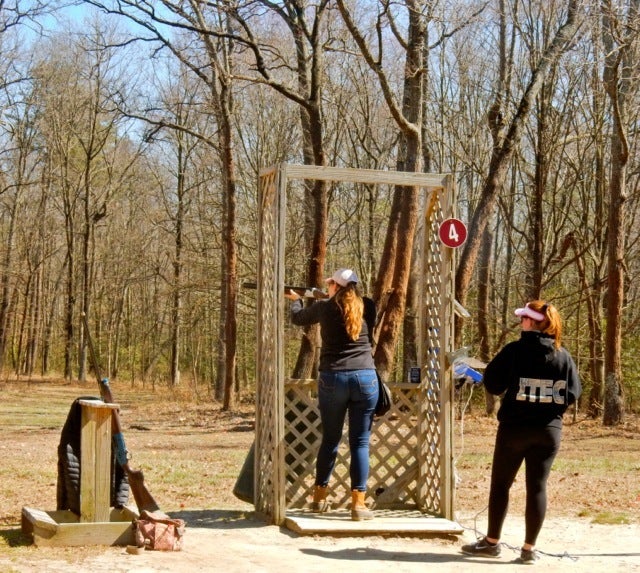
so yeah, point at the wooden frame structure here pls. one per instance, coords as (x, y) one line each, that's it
(411, 448)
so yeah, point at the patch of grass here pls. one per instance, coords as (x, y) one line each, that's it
(614, 462)
(46, 407)
(611, 518)
(606, 517)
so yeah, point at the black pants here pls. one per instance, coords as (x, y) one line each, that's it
(537, 447)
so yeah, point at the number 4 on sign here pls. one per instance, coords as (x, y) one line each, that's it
(453, 233)
(454, 236)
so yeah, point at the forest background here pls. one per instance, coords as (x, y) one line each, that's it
(133, 133)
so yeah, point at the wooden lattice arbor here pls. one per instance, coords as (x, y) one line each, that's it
(411, 447)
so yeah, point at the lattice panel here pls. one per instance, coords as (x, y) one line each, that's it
(429, 422)
(302, 438)
(392, 453)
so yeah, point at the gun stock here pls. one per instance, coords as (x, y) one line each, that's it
(142, 496)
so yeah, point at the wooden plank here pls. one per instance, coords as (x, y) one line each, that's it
(32, 518)
(64, 516)
(372, 176)
(95, 475)
(98, 404)
(102, 476)
(280, 478)
(76, 534)
(61, 528)
(123, 514)
(447, 334)
(88, 467)
(399, 523)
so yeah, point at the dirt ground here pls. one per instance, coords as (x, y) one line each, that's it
(228, 541)
(597, 472)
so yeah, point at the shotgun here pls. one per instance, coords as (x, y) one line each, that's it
(144, 499)
(308, 292)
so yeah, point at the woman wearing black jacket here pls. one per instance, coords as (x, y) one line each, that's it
(540, 381)
(347, 382)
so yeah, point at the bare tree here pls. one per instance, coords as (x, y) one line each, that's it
(395, 265)
(212, 65)
(19, 131)
(506, 140)
(304, 88)
(620, 38)
(179, 104)
(19, 196)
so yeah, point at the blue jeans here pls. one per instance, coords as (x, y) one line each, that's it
(339, 391)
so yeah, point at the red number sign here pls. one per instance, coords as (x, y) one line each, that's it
(453, 233)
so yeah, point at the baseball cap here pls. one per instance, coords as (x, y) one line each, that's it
(343, 277)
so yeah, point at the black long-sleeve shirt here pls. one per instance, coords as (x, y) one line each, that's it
(539, 381)
(339, 351)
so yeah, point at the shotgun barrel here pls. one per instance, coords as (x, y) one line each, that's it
(307, 292)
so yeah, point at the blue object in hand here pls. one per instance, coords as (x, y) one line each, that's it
(461, 370)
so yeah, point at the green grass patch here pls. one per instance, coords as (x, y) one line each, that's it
(607, 517)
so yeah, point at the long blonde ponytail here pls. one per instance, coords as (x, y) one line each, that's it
(352, 306)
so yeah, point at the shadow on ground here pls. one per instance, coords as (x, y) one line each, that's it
(369, 554)
(219, 519)
(14, 537)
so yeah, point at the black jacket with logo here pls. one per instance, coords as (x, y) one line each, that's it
(539, 382)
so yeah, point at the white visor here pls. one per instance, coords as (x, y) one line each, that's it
(528, 311)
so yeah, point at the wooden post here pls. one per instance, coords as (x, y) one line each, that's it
(97, 523)
(95, 448)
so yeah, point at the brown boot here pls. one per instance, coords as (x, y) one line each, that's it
(359, 510)
(320, 503)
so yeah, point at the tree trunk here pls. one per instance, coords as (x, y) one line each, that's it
(410, 325)
(395, 307)
(318, 204)
(484, 313)
(538, 221)
(86, 270)
(613, 405)
(176, 306)
(316, 193)
(618, 78)
(395, 263)
(231, 269)
(70, 296)
(5, 284)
